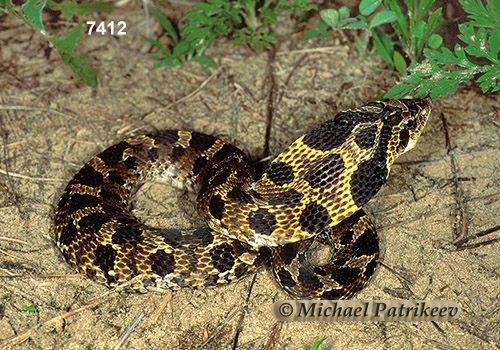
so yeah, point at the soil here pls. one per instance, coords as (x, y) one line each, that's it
(433, 215)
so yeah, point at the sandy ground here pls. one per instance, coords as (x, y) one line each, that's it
(433, 214)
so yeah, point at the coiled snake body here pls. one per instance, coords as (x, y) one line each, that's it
(312, 193)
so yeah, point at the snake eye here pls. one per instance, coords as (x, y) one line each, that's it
(343, 120)
(410, 124)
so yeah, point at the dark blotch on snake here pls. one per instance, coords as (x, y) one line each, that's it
(371, 173)
(366, 244)
(346, 238)
(92, 223)
(262, 221)
(127, 235)
(334, 133)
(280, 173)
(286, 278)
(114, 154)
(68, 234)
(165, 136)
(222, 257)
(325, 171)
(115, 177)
(365, 139)
(216, 206)
(224, 154)
(220, 178)
(200, 142)
(370, 268)
(198, 165)
(177, 153)
(81, 201)
(110, 196)
(346, 275)
(404, 137)
(314, 218)
(131, 162)
(289, 251)
(88, 176)
(153, 154)
(162, 263)
(105, 257)
(368, 180)
(412, 106)
(307, 278)
(238, 195)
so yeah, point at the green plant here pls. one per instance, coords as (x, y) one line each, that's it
(30, 13)
(31, 308)
(443, 70)
(414, 28)
(242, 21)
(316, 344)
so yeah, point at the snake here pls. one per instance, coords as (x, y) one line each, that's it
(309, 199)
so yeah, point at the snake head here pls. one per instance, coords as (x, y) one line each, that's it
(400, 124)
(414, 115)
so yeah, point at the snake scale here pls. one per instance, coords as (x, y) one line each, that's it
(310, 196)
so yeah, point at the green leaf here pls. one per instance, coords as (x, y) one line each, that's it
(69, 8)
(467, 34)
(204, 62)
(481, 15)
(221, 3)
(400, 24)
(383, 17)
(200, 18)
(420, 29)
(399, 63)
(331, 17)
(430, 32)
(158, 45)
(311, 33)
(446, 57)
(207, 8)
(169, 62)
(316, 344)
(83, 71)
(384, 51)
(358, 23)
(32, 10)
(323, 36)
(157, 55)
(197, 34)
(181, 48)
(188, 28)
(443, 87)
(322, 26)
(435, 41)
(474, 51)
(31, 308)
(366, 7)
(489, 79)
(65, 46)
(399, 91)
(422, 9)
(494, 43)
(165, 23)
(344, 12)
